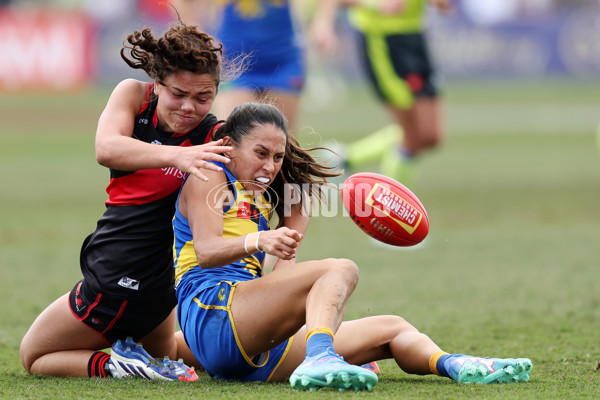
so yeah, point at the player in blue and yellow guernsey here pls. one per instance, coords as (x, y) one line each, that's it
(245, 325)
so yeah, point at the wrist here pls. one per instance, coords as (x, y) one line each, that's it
(251, 243)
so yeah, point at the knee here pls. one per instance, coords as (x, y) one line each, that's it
(27, 358)
(396, 323)
(347, 269)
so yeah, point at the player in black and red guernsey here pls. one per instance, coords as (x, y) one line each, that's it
(150, 135)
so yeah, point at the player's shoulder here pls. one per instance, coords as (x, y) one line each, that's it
(215, 179)
(132, 85)
(131, 94)
(211, 191)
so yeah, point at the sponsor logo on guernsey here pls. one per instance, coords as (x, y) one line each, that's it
(248, 211)
(155, 142)
(174, 172)
(394, 206)
(129, 283)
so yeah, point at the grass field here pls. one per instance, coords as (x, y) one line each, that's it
(510, 267)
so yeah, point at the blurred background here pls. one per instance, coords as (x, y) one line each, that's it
(531, 46)
(67, 44)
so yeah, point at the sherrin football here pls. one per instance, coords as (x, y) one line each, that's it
(385, 209)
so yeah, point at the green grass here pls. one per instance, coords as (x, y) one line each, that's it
(509, 267)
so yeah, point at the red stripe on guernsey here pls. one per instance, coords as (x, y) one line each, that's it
(209, 137)
(145, 186)
(147, 98)
(114, 321)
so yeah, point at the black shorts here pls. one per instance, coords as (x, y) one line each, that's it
(118, 319)
(399, 67)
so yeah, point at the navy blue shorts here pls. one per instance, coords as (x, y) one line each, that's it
(209, 330)
(117, 319)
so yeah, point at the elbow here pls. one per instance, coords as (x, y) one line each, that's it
(209, 257)
(202, 256)
(102, 154)
(202, 263)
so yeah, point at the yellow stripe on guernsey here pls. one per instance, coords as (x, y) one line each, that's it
(250, 8)
(369, 20)
(241, 219)
(243, 214)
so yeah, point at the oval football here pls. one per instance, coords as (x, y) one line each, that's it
(385, 209)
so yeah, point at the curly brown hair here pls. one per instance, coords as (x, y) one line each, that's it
(182, 47)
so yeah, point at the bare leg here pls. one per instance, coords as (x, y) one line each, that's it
(228, 99)
(370, 339)
(57, 344)
(161, 341)
(288, 103)
(421, 124)
(313, 292)
(183, 351)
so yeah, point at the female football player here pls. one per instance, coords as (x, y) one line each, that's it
(245, 325)
(150, 136)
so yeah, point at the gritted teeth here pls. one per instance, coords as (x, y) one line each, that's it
(263, 180)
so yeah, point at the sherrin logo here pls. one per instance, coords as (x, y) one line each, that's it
(391, 204)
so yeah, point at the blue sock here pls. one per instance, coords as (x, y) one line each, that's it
(318, 343)
(441, 364)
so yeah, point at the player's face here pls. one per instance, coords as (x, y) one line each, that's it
(257, 159)
(184, 99)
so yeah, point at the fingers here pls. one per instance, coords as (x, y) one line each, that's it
(295, 235)
(195, 158)
(284, 243)
(215, 157)
(196, 172)
(212, 151)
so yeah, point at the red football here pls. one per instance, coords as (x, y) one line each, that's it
(385, 209)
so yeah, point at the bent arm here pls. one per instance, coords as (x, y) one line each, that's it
(202, 204)
(117, 149)
(298, 221)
